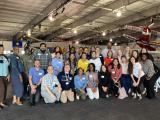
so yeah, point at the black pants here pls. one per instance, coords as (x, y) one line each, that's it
(150, 87)
(101, 92)
(113, 88)
(25, 84)
(35, 98)
(137, 88)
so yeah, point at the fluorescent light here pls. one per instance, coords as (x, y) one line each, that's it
(115, 44)
(110, 39)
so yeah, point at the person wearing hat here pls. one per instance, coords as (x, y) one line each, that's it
(16, 76)
(4, 76)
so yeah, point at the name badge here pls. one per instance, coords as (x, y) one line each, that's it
(39, 54)
(67, 83)
(70, 78)
(102, 76)
(113, 72)
(83, 78)
(40, 73)
(90, 76)
(59, 62)
(17, 57)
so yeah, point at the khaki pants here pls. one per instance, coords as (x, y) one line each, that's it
(67, 94)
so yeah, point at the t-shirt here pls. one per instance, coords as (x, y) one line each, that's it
(136, 68)
(4, 64)
(97, 63)
(36, 74)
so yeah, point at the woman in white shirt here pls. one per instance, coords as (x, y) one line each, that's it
(137, 75)
(95, 60)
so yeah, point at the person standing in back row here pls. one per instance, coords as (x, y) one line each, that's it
(44, 56)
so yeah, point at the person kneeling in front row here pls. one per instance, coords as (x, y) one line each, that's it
(80, 82)
(50, 87)
(67, 83)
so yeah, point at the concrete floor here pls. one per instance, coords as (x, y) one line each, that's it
(103, 109)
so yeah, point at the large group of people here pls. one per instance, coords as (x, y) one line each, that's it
(79, 73)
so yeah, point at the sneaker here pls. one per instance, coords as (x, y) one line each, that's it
(77, 97)
(139, 96)
(144, 91)
(134, 96)
(129, 91)
(107, 96)
(132, 93)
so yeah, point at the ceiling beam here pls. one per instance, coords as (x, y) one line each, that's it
(58, 21)
(39, 18)
(91, 17)
(135, 18)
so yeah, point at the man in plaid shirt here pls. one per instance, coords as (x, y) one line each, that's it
(50, 87)
(43, 55)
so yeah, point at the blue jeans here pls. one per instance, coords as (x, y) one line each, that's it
(126, 81)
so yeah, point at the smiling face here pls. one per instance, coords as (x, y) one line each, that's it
(80, 71)
(144, 57)
(109, 54)
(93, 54)
(135, 54)
(133, 61)
(43, 47)
(37, 64)
(16, 50)
(91, 68)
(104, 68)
(144, 50)
(124, 59)
(84, 56)
(66, 68)
(115, 62)
(50, 69)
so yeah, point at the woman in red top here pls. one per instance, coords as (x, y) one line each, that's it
(116, 71)
(109, 58)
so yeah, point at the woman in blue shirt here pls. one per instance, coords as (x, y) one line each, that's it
(80, 82)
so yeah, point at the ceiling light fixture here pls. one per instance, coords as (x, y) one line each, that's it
(119, 11)
(77, 42)
(50, 17)
(119, 14)
(103, 34)
(29, 32)
(75, 31)
(110, 39)
(115, 44)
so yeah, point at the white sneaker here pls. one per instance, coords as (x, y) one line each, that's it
(77, 97)
(129, 91)
(144, 91)
(139, 96)
(107, 96)
(134, 96)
